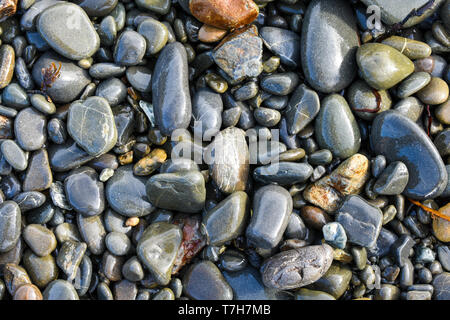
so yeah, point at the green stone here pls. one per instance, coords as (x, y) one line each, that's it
(413, 49)
(158, 6)
(361, 97)
(306, 294)
(335, 281)
(382, 66)
(155, 33)
(42, 270)
(413, 84)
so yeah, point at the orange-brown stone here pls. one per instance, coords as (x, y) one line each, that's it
(7, 9)
(210, 34)
(28, 292)
(224, 14)
(441, 227)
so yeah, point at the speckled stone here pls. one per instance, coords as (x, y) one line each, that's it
(39, 176)
(30, 129)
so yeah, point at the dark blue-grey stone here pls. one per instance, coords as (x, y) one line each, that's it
(207, 110)
(283, 43)
(400, 139)
(401, 249)
(283, 173)
(302, 108)
(170, 88)
(392, 180)
(384, 243)
(130, 48)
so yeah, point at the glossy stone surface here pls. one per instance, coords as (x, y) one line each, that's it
(302, 108)
(10, 225)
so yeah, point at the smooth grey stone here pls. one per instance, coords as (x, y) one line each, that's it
(321, 157)
(336, 127)
(413, 84)
(84, 117)
(92, 231)
(441, 283)
(266, 228)
(157, 249)
(71, 81)
(107, 31)
(392, 180)
(329, 43)
(67, 156)
(85, 192)
(399, 139)
(283, 43)
(283, 173)
(334, 234)
(155, 33)
(157, 6)
(43, 214)
(10, 225)
(296, 228)
(29, 200)
(113, 90)
(204, 281)
(30, 129)
(8, 112)
(126, 194)
(247, 285)
(140, 78)
(180, 191)
(387, 292)
(10, 186)
(297, 267)
(14, 155)
(125, 290)
(276, 102)
(28, 19)
(83, 276)
(227, 220)
(410, 107)
(124, 118)
(57, 131)
(394, 12)
(15, 96)
(361, 221)
(67, 232)
(232, 261)
(207, 108)
(401, 249)
(40, 240)
(106, 70)
(267, 117)
(228, 158)
(115, 222)
(384, 243)
(39, 102)
(97, 8)
(170, 89)
(118, 243)
(60, 290)
(23, 74)
(132, 270)
(444, 256)
(129, 49)
(42, 270)
(68, 30)
(280, 84)
(104, 292)
(424, 255)
(69, 257)
(418, 295)
(177, 165)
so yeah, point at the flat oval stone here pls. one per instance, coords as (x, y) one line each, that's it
(227, 220)
(130, 48)
(272, 207)
(181, 191)
(297, 268)
(155, 33)
(140, 78)
(42, 270)
(336, 127)
(14, 96)
(382, 66)
(170, 89)
(60, 290)
(284, 43)
(157, 249)
(14, 155)
(207, 110)
(85, 192)
(10, 225)
(30, 129)
(435, 92)
(85, 117)
(158, 6)
(329, 43)
(29, 200)
(92, 231)
(413, 49)
(39, 176)
(68, 30)
(126, 194)
(362, 97)
(39, 102)
(231, 14)
(71, 81)
(441, 227)
(283, 173)
(280, 84)
(97, 8)
(392, 180)
(67, 156)
(105, 70)
(229, 159)
(204, 281)
(39, 239)
(7, 63)
(400, 139)
(413, 84)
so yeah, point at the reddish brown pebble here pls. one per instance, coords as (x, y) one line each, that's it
(441, 227)
(7, 9)
(132, 222)
(230, 14)
(314, 217)
(28, 292)
(210, 34)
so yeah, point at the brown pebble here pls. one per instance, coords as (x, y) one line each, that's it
(314, 217)
(436, 92)
(7, 9)
(126, 158)
(132, 222)
(7, 63)
(210, 34)
(442, 113)
(230, 14)
(150, 163)
(425, 65)
(6, 125)
(292, 155)
(441, 227)
(28, 292)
